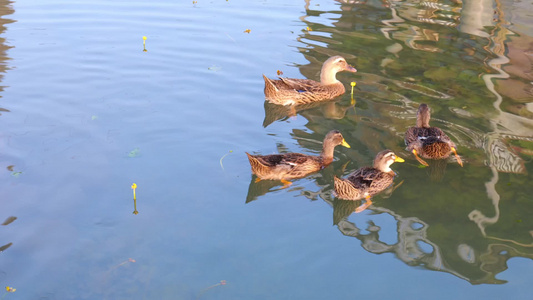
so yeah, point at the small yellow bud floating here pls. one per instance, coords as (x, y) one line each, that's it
(353, 84)
(10, 289)
(133, 187)
(144, 44)
(247, 30)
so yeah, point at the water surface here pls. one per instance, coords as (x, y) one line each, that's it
(85, 112)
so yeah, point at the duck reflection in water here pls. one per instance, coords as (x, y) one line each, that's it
(436, 169)
(366, 182)
(330, 109)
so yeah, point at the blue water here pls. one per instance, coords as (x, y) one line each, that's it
(85, 112)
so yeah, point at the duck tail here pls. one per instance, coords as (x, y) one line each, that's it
(345, 190)
(270, 87)
(257, 166)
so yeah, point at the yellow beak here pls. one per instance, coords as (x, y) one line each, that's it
(345, 144)
(399, 159)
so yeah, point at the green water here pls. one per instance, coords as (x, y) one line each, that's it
(85, 112)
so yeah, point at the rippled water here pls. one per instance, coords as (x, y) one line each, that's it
(85, 112)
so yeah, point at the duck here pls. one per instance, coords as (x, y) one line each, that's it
(288, 166)
(366, 182)
(428, 142)
(290, 91)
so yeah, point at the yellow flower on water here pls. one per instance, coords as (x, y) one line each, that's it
(247, 30)
(10, 289)
(144, 44)
(279, 72)
(353, 84)
(133, 187)
(308, 29)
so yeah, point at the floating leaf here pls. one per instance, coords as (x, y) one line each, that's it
(16, 174)
(9, 220)
(10, 167)
(4, 247)
(214, 68)
(134, 153)
(94, 118)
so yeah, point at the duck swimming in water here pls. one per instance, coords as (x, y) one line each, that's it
(429, 142)
(366, 182)
(295, 165)
(289, 91)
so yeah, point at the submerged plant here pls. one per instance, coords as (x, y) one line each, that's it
(222, 282)
(9, 289)
(222, 166)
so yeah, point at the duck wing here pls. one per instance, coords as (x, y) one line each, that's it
(415, 133)
(304, 85)
(298, 84)
(438, 133)
(362, 178)
(296, 159)
(369, 178)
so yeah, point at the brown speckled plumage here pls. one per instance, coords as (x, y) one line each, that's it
(426, 141)
(295, 165)
(368, 181)
(289, 91)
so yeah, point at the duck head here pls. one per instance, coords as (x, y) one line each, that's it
(385, 159)
(331, 67)
(422, 116)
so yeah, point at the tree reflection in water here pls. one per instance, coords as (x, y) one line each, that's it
(475, 73)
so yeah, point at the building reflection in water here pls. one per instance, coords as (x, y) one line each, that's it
(388, 42)
(5, 9)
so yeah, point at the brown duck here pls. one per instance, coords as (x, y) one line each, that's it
(367, 181)
(295, 165)
(428, 142)
(289, 91)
